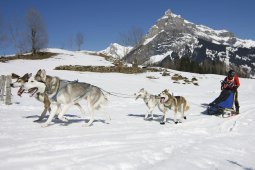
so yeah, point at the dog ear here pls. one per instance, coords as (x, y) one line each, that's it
(39, 72)
(26, 76)
(43, 75)
(43, 71)
(15, 76)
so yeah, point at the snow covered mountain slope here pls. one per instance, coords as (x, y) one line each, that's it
(174, 37)
(116, 51)
(127, 142)
(64, 57)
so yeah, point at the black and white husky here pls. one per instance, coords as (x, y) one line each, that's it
(65, 94)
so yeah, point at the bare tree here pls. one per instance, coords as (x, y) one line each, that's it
(37, 35)
(1, 29)
(3, 36)
(17, 36)
(79, 40)
(69, 42)
(132, 37)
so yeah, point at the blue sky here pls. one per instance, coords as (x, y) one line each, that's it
(102, 21)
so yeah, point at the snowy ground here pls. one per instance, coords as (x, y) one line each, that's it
(127, 141)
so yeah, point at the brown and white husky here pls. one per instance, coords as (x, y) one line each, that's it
(176, 103)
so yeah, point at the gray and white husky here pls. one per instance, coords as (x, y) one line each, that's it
(65, 94)
(151, 101)
(19, 81)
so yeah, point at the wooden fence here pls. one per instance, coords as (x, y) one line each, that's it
(5, 89)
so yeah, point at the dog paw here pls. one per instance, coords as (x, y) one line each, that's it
(38, 120)
(148, 119)
(162, 123)
(63, 119)
(87, 125)
(44, 125)
(151, 117)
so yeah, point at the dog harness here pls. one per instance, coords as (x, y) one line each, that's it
(62, 84)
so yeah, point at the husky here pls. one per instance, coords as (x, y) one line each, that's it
(151, 102)
(66, 93)
(42, 97)
(19, 81)
(177, 103)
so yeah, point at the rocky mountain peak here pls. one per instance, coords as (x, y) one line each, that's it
(169, 22)
(173, 36)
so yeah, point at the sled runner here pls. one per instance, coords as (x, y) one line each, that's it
(224, 107)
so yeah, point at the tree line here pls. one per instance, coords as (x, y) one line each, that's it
(205, 67)
(29, 34)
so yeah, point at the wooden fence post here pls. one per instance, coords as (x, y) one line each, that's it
(8, 96)
(2, 87)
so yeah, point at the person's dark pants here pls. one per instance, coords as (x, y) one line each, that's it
(236, 102)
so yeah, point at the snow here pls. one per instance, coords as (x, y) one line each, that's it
(128, 141)
(169, 13)
(64, 58)
(216, 38)
(216, 42)
(57, 50)
(213, 35)
(165, 17)
(117, 51)
(244, 43)
(204, 28)
(149, 39)
(158, 58)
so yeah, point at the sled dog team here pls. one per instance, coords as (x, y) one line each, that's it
(59, 95)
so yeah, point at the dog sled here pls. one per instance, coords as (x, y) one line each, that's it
(223, 105)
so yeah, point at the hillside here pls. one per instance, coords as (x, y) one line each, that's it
(127, 141)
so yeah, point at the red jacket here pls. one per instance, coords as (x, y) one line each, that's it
(230, 84)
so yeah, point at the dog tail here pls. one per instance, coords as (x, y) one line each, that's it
(187, 108)
(103, 100)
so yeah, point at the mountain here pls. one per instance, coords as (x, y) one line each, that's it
(116, 51)
(174, 37)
